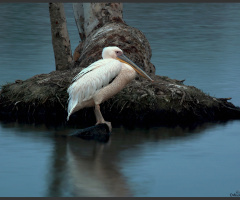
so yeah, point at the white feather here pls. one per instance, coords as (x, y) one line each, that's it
(89, 68)
(90, 80)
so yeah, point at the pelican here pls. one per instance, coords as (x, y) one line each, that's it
(100, 81)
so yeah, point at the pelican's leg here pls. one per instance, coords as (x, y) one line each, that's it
(100, 118)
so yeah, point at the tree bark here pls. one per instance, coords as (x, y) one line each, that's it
(79, 19)
(60, 38)
(102, 25)
(89, 16)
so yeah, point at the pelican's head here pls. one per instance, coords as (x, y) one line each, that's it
(117, 53)
(111, 52)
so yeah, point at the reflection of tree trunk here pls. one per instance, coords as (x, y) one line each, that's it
(57, 175)
(60, 38)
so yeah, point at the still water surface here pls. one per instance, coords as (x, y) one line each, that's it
(196, 42)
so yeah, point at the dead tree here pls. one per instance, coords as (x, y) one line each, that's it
(101, 25)
(60, 39)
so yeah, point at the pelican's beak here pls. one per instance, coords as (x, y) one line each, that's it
(126, 60)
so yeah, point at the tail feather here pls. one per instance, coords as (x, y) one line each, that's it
(71, 106)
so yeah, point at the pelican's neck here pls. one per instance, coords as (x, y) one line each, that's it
(129, 72)
(128, 67)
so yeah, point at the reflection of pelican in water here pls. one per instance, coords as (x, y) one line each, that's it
(92, 175)
(102, 80)
(87, 168)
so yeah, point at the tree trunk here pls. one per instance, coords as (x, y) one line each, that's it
(79, 18)
(60, 39)
(89, 16)
(102, 25)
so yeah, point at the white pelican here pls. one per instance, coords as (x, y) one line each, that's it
(100, 81)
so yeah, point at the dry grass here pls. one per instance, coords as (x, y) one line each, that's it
(162, 101)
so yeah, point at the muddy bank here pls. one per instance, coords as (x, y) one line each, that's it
(43, 98)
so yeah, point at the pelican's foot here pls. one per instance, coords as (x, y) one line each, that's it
(105, 122)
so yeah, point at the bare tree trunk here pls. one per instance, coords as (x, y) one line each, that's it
(79, 18)
(101, 25)
(60, 39)
(89, 16)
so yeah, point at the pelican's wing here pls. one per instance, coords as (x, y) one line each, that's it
(89, 68)
(86, 85)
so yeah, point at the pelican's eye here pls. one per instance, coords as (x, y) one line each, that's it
(118, 53)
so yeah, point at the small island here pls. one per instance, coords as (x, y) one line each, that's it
(165, 101)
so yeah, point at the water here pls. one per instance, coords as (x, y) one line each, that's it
(196, 42)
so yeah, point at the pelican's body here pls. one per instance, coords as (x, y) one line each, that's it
(100, 81)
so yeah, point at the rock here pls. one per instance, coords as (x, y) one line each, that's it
(98, 132)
